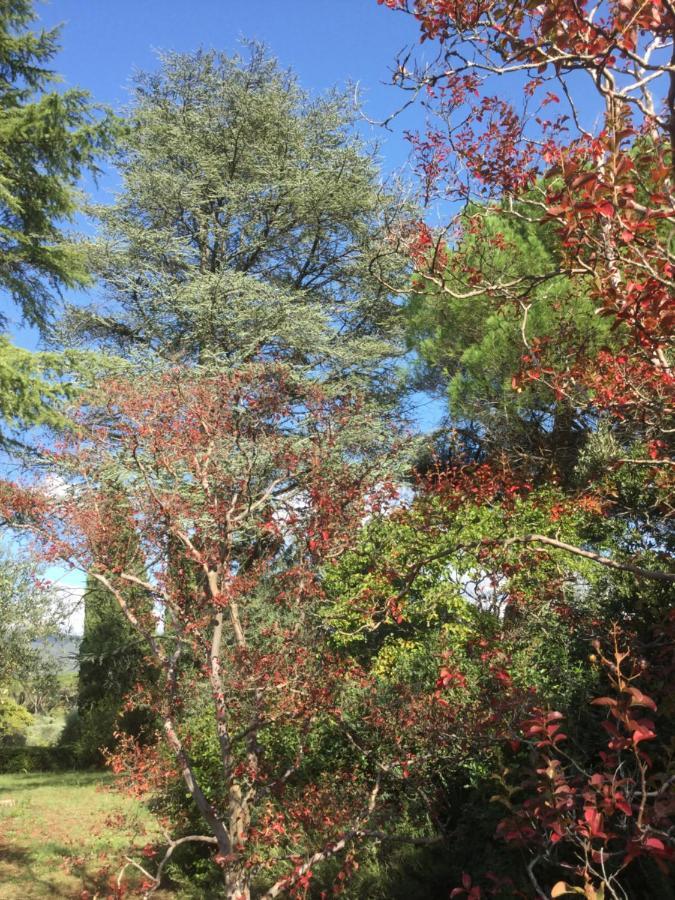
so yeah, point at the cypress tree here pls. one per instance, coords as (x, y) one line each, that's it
(111, 660)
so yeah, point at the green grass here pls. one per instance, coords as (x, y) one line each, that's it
(67, 832)
(46, 730)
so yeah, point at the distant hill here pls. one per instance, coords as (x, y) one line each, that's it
(64, 649)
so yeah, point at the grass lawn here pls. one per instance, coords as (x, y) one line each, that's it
(62, 831)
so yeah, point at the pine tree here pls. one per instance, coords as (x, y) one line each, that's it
(471, 343)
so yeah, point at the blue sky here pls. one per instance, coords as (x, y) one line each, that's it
(325, 41)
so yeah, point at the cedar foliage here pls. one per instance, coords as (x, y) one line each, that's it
(48, 140)
(250, 225)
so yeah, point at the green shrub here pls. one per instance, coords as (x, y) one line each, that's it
(14, 722)
(34, 759)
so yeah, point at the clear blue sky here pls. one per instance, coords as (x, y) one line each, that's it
(326, 42)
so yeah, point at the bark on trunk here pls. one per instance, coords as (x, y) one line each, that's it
(237, 885)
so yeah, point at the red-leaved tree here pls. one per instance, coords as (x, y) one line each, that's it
(560, 114)
(237, 488)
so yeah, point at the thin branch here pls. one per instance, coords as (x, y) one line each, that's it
(653, 574)
(157, 879)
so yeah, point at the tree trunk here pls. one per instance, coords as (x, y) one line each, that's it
(237, 885)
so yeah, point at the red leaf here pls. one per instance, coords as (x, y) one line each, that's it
(640, 699)
(643, 733)
(594, 820)
(623, 805)
(653, 843)
(605, 209)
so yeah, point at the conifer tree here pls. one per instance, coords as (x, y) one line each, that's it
(111, 659)
(251, 224)
(111, 662)
(470, 340)
(48, 138)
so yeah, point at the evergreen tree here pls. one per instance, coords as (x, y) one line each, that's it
(250, 224)
(32, 388)
(473, 343)
(110, 665)
(48, 138)
(111, 661)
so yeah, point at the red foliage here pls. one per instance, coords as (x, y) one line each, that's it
(608, 188)
(588, 152)
(611, 812)
(237, 488)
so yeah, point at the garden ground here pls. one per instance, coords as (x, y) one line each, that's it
(65, 834)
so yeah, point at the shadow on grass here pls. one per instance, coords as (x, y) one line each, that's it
(23, 860)
(63, 835)
(67, 873)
